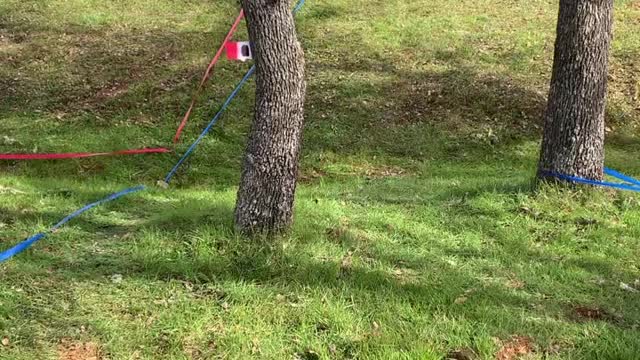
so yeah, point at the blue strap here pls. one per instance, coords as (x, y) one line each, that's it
(206, 130)
(594, 182)
(97, 203)
(35, 238)
(6, 255)
(215, 119)
(621, 176)
(299, 6)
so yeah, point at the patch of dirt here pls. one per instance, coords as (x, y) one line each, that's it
(89, 68)
(346, 263)
(405, 275)
(462, 101)
(8, 47)
(112, 90)
(378, 171)
(69, 350)
(311, 175)
(384, 171)
(515, 284)
(591, 313)
(461, 354)
(624, 86)
(337, 233)
(515, 348)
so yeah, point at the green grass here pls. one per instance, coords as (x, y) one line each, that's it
(417, 232)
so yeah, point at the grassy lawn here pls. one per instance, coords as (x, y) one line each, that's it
(417, 230)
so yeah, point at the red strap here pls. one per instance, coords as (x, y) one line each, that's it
(79, 155)
(207, 74)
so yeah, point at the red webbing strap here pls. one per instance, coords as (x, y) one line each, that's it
(206, 76)
(55, 156)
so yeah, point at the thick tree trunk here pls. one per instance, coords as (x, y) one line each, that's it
(270, 169)
(573, 142)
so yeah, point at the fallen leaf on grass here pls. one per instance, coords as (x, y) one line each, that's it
(461, 300)
(627, 287)
(376, 328)
(333, 350)
(8, 141)
(255, 347)
(515, 348)
(464, 297)
(5, 189)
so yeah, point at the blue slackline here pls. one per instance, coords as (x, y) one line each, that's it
(206, 130)
(30, 241)
(621, 176)
(631, 183)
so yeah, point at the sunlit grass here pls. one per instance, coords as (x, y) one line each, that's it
(417, 230)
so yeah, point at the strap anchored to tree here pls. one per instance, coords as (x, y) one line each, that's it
(217, 116)
(207, 75)
(630, 184)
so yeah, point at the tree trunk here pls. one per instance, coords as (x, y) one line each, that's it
(270, 168)
(573, 142)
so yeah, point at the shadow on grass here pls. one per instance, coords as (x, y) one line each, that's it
(69, 72)
(145, 79)
(438, 288)
(191, 242)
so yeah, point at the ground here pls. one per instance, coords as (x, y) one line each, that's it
(418, 234)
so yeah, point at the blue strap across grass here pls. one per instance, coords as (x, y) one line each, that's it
(621, 176)
(35, 238)
(206, 130)
(631, 184)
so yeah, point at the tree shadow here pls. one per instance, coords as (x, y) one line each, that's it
(456, 106)
(267, 266)
(191, 242)
(104, 72)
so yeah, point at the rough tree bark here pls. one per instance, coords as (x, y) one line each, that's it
(270, 169)
(573, 142)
